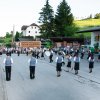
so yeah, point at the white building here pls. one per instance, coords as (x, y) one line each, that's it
(31, 30)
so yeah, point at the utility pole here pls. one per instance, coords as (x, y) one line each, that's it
(13, 32)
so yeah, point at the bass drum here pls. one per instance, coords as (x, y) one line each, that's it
(47, 53)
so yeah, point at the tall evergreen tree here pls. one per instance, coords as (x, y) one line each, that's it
(64, 20)
(17, 35)
(47, 20)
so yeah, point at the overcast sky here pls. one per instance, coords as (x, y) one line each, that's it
(26, 12)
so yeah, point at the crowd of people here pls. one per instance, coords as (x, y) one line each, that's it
(68, 54)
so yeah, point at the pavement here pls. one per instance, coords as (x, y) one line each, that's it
(46, 85)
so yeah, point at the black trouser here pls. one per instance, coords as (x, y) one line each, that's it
(8, 72)
(51, 60)
(32, 72)
(82, 55)
(37, 56)
(27, 53)
(18, 53)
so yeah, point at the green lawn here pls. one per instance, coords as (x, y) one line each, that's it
(87, 23)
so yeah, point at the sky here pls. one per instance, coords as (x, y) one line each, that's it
(25, 12)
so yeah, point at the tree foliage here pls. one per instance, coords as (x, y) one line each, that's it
(64, 20)
(1, 40)
(47, 20)
(17, 36)
(8, 35)
(97, 16)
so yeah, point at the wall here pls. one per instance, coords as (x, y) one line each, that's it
(95, 38)
(32, 31)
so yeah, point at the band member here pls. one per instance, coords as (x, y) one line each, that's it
(42, 54)
(27, 51)
(63, 55)
(37, 54)
(32, 64)
(59, 61)
(76, 52)
(77, 63)
(98, 56)
(8, 61)
(0, 52)
(18, 52)
(51, 55)
(91, 63)
(89, 54)
(69, 58)
(82, 53)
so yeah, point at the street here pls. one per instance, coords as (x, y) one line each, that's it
(46, 85)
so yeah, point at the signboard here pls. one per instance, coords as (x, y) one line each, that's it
(30, 44)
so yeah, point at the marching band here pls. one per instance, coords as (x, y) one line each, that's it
(63, 57)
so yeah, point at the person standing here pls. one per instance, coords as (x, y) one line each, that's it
(8, 61)
(18, 52)
(91, 63)
(59, 61)
(0, 52)
(82, 53)
(89, 54)
(69, 58)
(51, 56)
(63, 55)
(98, 56)
(27, 51)
(77, 63)
(42, 54)
(37, 54)
(32, 64)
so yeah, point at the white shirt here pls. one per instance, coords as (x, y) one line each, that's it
(75, 59)
(90, 59)
(70, 58)
(30, 60)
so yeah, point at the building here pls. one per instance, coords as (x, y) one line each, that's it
(67, 41)
(95, 35)
(31, 30)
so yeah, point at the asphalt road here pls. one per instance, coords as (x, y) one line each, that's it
(46, 85)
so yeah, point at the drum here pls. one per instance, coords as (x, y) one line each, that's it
(47, 53)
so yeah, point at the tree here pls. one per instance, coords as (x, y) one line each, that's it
(8, 39)
(90, 16)
(47, 20)
(8, 35)
(97, 16)
(1, 40)
(64, 20)
(17, 36)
